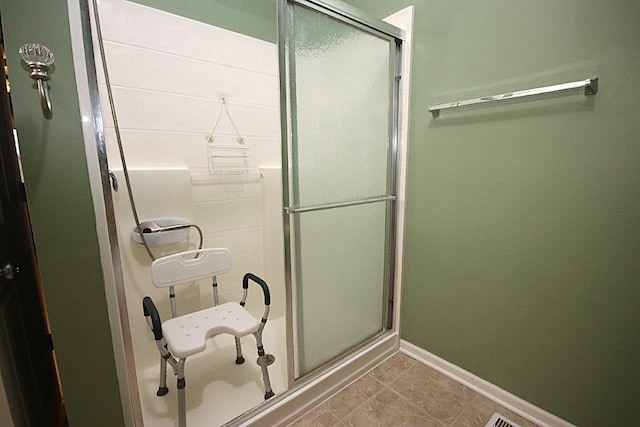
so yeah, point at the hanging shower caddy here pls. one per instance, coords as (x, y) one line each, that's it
(227, 163)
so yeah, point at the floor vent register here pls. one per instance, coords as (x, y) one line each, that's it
(498, 420)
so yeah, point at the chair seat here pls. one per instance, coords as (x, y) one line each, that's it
(187, 335)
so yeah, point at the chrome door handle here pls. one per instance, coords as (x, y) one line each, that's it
(291, 210)
(114, 180)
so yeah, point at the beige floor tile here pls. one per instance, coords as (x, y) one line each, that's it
(436, 394)
(414, 395)
(391, 369)
(454, 387)
(424, 374)
(348, 399)
(387, 409)
(320, 416)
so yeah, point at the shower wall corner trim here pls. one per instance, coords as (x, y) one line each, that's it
(91, 117)
(402, 19)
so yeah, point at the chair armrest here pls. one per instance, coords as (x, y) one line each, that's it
(259, 281)
(150, 310)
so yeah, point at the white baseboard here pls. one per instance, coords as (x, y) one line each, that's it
(305, 398)
(485, 388)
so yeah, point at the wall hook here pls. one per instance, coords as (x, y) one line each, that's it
(38, 59)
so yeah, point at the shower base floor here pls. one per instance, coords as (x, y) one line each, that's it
(217, 389)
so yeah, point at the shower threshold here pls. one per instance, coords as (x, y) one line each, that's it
(320, 384)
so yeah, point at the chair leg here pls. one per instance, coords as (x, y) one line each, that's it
(182, 399)
(239, 357)
(163, 389)
(262, 360)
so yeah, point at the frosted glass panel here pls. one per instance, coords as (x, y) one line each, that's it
(339, 281)
(340, 87)
(340, 83)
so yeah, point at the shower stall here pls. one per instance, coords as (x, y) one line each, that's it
(289, 152)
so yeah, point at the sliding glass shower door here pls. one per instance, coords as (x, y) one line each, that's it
(339, 89)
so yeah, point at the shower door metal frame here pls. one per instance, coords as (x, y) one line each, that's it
(132, 406)
(376, 27)
(339, 10)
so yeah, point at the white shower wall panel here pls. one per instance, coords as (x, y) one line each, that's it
(141, 26)
(162, 111)
(168, 74)
(220, 216)
(164, 72)
(210, 193)
(158, 150)
(243, 243)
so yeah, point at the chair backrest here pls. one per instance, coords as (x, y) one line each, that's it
(183, 267)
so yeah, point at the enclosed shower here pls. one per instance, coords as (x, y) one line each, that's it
(288, 152)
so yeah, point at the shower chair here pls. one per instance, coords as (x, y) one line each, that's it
(184, 336)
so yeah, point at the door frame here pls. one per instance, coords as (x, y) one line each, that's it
(316, 385)
(80, 24)
(357, 18)
(14, 395)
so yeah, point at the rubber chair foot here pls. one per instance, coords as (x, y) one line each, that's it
(239, 360)
(268, 394)
(162, 391)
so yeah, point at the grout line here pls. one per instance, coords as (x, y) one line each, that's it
(260, 255)
(388, 387)
(229, 231)
(400, 395)
(357, 408)
(135, 46)
(384, 386)
(226, 200)
(338, 420)
(141, 89)
(217, 233)
(337, 423)
(339, 391)
(203, 134)
(187, 132)
(464, 409)
(417, 407)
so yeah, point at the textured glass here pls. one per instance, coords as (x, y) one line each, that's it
(339, 281)
(340, 83)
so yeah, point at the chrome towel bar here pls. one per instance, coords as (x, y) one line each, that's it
(590, 88)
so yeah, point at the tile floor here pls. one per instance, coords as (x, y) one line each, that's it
(403, 392)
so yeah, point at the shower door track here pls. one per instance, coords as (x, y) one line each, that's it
(310, 378)
(352, 15)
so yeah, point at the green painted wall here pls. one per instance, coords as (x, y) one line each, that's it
(255, 18)
(59, 195)
(62, 214)
(522, 243)
(522, 219)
